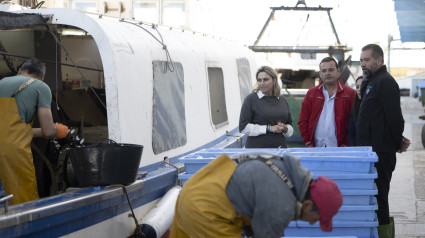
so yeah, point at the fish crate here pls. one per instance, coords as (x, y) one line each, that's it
(339, 164)
(355, 182)
(350, 197)
(318, 160)
(357, 212)
(350, 180)
(321, 236)
(184, 177)
(358, 205)
(360, 229)
(332, 149)
(358, 197)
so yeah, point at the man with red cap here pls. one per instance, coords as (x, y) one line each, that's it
(254, 194)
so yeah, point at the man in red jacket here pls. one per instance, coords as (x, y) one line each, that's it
(323, 120)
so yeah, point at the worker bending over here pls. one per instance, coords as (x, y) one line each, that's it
(255, 194)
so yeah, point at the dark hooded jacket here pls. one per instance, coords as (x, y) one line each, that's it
(380, 123)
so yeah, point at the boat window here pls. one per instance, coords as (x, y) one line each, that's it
(86, 6)
(308, 56)
(217, 97)
(146, 11)
(169, 121)
(244, 74)
(174, 14)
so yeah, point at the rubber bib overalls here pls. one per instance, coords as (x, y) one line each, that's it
(17, 172)
(203, 209)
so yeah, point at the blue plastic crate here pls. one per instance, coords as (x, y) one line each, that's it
(357, 213)
(327, 149)
(351, 197)
(350, 180)
(358, 196)
(360, 207)
(340, 164)
(318, 164)
(339, 151)
(344, 181)
(321, 236)
(340, 228)
(184, 177)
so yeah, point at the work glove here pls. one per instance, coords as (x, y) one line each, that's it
(62, 131)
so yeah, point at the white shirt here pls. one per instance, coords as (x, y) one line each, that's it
(325, 134)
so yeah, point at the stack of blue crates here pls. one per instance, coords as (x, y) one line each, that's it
(352, 168)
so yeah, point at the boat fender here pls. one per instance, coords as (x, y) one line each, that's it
(159, 219)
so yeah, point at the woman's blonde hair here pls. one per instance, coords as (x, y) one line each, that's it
(268, 70)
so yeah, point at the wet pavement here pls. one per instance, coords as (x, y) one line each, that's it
(407, 194)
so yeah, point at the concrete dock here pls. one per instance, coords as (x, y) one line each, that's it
(407, 193)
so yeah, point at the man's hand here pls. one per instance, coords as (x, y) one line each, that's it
(405, 143)
(62, 131)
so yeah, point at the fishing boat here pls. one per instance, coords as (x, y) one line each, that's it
(170, 90)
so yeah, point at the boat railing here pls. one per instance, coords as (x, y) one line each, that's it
(5, 202)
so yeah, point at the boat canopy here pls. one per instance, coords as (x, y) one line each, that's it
(13, 21)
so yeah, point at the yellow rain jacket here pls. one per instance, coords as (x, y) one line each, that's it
(17, 172)
(203, 209)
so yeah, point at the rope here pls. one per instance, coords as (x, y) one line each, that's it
(7, 60)
(138, 232)
(56, 69)
(75, 65)
(170, 64)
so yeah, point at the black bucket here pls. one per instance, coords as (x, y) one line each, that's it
(106, 164)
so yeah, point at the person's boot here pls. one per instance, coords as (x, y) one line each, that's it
(392, 227)
(385, 231)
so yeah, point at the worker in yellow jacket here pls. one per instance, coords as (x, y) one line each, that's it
(254, 194)
(21, 97)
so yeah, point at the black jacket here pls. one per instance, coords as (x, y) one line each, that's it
(380, 123)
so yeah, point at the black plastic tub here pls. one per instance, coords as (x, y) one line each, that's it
(106, 164)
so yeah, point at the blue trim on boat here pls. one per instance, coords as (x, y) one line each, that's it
(75, 210)
(230, 144)
(82, 208)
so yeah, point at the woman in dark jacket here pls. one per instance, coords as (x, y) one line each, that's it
(265, 116)
(352, 124)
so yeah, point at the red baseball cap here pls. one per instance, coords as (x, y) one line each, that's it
(328, 199)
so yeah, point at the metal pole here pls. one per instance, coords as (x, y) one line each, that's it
(390, 38)
(333, 27)
(302, 8)
(264, 27)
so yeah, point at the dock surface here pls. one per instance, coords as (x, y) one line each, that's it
(407, 192)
